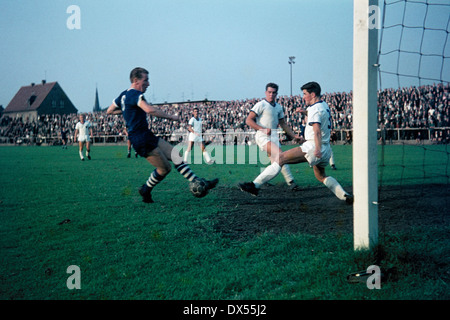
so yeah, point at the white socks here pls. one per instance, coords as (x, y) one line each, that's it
(335, 187)
(271, 172)
(206, 156)
(274, 169)
(287, 174)
(268, 174)
(186, 156)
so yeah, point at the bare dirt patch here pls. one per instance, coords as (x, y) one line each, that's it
(315, 210)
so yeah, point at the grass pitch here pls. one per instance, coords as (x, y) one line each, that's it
(57, 211)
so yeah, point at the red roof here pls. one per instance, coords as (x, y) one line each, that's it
(30, 98)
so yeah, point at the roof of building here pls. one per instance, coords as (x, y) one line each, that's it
(30, 98)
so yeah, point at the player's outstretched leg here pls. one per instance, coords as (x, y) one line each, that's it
(183, 168)
(185, 171)
(335, 187)
(210, 184)
(288, 176)
(268, 174)
(349, 198)
(146, 189)
(249, 187)
(162, 168)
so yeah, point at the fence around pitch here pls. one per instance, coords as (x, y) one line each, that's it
(343, 136)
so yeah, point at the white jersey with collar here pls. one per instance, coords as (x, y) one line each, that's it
(320, 113)
(83, 129)
(196, 124)
(268, 115)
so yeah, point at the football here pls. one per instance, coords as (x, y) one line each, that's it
(198, 188)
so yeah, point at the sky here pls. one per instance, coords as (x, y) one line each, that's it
(193, 49)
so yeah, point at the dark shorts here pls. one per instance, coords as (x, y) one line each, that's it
(144, 142)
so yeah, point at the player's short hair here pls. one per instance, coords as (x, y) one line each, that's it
(312, 87)
(272, 85)
(137, 73)
(196, 108)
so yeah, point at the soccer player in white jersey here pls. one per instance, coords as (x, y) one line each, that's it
(195, 136)
(84, 131)
(316, 150)
(265, 117)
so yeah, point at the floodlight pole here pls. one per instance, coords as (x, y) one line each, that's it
(291, 62)
(365, 155)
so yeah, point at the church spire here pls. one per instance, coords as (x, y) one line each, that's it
(97, 104)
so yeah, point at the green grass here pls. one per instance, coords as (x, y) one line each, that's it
(56, 211)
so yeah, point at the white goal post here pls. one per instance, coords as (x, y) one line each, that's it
(365, 155)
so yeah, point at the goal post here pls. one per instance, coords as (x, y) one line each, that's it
(365, 154)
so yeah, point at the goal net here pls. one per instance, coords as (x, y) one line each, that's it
(401, 73)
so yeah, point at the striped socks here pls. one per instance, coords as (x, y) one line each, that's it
(154, 179)
(185, 171)
(182, 168)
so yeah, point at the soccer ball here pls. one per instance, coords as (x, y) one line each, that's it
(198, 188)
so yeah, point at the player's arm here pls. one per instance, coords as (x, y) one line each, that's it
(288, 130)
(251, 122)
(153, 111)
(301, 110)
(190, 128)
(317, 139)
(114, 109)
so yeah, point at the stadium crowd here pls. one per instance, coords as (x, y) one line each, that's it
(414, 107)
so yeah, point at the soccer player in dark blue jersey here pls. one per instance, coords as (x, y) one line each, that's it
(132, 105)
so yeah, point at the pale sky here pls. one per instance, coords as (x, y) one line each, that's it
(193, 49)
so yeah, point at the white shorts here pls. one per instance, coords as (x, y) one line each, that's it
(309, 147)
(84, 139)
(195, 138)
(262, 139)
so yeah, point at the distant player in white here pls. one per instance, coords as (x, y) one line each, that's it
(265, 117)
(316, 150)
(195, 136)
(84, 131)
